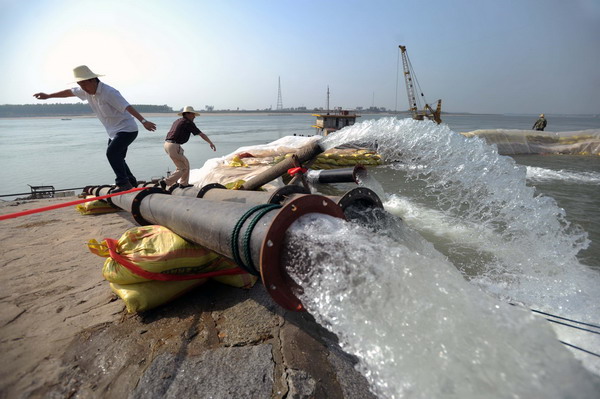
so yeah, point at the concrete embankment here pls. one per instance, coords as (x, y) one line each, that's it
(63, 333)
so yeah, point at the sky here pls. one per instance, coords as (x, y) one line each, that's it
(485, 56)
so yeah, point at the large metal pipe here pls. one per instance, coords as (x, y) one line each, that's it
(342, 175)
(217, 192)
(95, 190)
(359, 199)
(233, 230)
(124, 201)
(304, 154)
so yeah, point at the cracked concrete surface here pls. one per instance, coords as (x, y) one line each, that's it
(63, 334)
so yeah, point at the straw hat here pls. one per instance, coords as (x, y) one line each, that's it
(541, 115)
(82, 72)
(189, 108)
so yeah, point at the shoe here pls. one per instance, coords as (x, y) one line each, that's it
(185, 185)
(120, 189)
(163, 184)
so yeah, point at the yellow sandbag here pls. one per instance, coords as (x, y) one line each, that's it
(346, 162)
(96, 207)
(332, 156)
(237, 162)
(235, 185)
(318, 165)
(156, 249)
(145, 296)
(326, 160)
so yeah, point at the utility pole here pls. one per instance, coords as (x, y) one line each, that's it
(279, 100)
(397, 72)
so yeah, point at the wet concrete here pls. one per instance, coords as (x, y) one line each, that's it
(217, 342)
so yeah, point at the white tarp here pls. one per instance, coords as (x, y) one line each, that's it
(218, 170)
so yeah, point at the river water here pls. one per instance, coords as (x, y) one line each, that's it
(424, 298)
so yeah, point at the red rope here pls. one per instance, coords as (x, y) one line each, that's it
(65, 204)
(112, 249)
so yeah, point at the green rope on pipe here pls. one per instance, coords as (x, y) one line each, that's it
(236, 232)
(248, 233)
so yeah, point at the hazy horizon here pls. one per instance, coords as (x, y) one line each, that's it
(309, 110)
(512, 57)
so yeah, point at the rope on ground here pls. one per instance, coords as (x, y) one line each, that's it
(66, 204)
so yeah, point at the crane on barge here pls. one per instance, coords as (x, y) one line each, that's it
(409, 76)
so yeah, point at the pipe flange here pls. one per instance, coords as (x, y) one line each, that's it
(360, 196)
(95, 191)
(87, 190)
(281, 194)
(276, 280)
(137, 202)
(208, 187)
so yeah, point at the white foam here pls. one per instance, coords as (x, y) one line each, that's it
(467, 199)
(542, 174)
(418, 328)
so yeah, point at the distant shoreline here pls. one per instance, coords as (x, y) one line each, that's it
(272, 113)
(156, 114)
(206, 114)
(238, 113)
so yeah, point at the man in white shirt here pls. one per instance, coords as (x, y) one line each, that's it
(115, 113)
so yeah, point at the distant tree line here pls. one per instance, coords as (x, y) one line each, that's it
(25, 110)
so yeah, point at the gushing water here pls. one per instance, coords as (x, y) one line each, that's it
(520, 245)
(424, 304)
(419, 329)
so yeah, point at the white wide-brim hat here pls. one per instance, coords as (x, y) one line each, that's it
(189, 108)
(82, 72)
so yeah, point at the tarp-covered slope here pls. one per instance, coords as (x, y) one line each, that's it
(515, 142)
(247, 162)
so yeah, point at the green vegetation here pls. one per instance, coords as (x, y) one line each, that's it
(30, 110)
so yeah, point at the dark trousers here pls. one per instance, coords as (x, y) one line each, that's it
(116, 152)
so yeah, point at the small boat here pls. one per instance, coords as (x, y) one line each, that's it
(332, 121)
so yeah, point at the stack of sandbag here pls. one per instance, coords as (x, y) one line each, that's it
(250, 161)
(341, 158)
(96, 207)
(150, 265)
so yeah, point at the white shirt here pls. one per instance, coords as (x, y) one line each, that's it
(109, 106)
